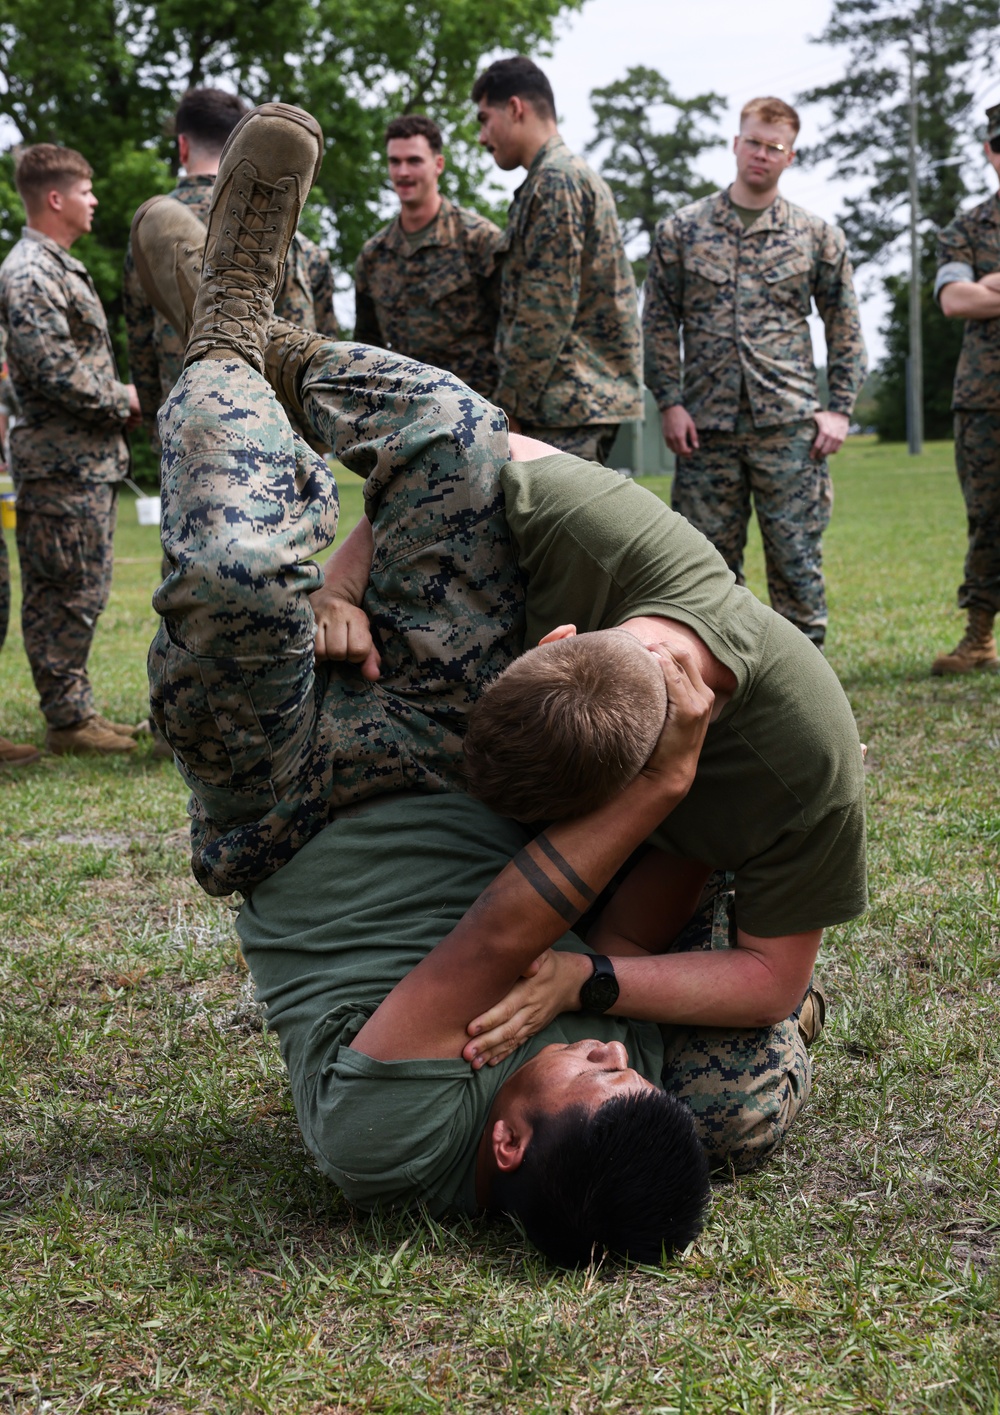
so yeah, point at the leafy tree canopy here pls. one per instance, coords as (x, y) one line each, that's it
(650, 167)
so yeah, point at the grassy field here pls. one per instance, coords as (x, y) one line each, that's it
(166, 1244)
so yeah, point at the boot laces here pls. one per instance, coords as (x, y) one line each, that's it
(253, 234)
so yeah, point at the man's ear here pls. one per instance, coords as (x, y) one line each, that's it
(54, 199)
(564, 631)
(508, 1142)
(183, 149)
(516, 107)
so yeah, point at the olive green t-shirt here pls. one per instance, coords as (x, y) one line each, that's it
(329, 935)
(779, 793)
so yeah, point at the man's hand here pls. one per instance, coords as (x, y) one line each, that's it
(674, 760)
(134, 411)
(548, 986)
(830, 437)
(343, 631)
(679, 431)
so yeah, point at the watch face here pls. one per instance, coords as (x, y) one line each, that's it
(599, 992)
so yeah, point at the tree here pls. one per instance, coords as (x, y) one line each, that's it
(650, 171)
(105, 75)
(954, 42)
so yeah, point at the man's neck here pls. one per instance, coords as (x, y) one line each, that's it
(534, 140)
(415, 218)
(742, 195)
(658, 629)
(53, 231)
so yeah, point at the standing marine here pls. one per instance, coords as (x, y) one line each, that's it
(68, 449)
(204, 119)
(569, 343)
(426, 285)
(968, 287)
(731, 281)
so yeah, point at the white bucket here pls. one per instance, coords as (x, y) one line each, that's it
(147, 509)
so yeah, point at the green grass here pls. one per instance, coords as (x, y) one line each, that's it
(166, 1244)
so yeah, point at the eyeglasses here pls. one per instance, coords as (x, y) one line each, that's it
(771, 150)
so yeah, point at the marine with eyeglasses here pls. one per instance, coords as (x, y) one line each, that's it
(729, 359)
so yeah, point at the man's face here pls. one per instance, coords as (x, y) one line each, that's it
(414, 170)
(500, 133)
(763, 151)
(579, 1074)
(77, 206)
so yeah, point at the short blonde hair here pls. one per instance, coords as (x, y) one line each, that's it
(771, 110)
(565, 727)
(46, 165)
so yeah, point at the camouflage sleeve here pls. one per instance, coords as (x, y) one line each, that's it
(846, 358)
(548, 294)
(366, 325)
(663, 301)
(321, 284)
(140, 330)
(48, 361)
(956, 258)
(483, 243)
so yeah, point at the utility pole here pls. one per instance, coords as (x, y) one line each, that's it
(915, 361)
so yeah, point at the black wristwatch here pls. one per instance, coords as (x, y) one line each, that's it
(600, 991)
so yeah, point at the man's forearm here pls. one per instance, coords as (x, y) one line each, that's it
(348, 569)
(970, 299)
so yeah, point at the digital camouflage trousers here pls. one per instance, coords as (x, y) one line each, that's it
(65, 541)
(792, 496)
(744, 1087)
(593, 443)
(271, 742)
(977, 460)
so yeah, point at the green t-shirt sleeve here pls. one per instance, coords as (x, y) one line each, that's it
(389, 1132)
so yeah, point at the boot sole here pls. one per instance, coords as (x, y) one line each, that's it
(145, 272)
(292, 115)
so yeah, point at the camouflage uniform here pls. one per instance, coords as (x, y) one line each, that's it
(742, 297)
(270, 742)
(69, 454)
(968, 249)
(273, 744)
(433, 295)
(156, 350)
(569, 344)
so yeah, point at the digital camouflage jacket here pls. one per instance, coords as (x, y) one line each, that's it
(569, 344)
(435, 297)
(968, 249)
(742, 300)
(73, 406)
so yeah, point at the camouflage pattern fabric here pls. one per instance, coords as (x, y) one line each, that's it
(569, 345)
(73, 407)
(742, 299)
(793, 498)
(743, 1086)
(4, 589)
(65, 545)
(156, 350)
(593, 443)
(968, 249)
(433, 296)
(271, 743)
(977, 459)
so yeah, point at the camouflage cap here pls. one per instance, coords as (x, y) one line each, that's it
(993, 122)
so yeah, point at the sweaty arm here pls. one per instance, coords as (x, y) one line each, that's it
(540, 894)
(971, 299)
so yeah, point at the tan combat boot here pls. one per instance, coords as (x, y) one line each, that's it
(812, 1014)
(975, 649)
(86, 738)
(168, 248)
(17, 753)
(286, 356)
(267, 167)
(123, 729)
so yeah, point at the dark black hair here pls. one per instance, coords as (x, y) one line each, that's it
(517, 77)
(208, 115)
(630, 1181)
(415, 125)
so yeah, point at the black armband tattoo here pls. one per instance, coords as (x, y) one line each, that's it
(565, 868)
(542, 885)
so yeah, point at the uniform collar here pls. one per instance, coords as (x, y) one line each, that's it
(547, 148)
(54, 248)
(772, 218)
(202, 179)
(436, 233)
